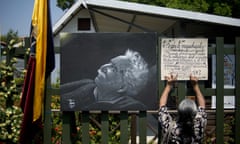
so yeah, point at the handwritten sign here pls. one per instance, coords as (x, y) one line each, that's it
(183, 57)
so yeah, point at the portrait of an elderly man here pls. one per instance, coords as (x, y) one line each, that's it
(115, 87)
(108, 71)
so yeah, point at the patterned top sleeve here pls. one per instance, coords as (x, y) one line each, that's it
(164, 118)
(200, 123)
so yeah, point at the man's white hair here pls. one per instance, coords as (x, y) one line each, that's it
(136, 75)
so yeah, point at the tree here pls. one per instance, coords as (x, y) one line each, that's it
(218, 7)
(65, 4)
(10, 91)
(196, 5)
(11, 35)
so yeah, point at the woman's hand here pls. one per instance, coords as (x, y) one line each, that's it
(194, 80)
(171, 79)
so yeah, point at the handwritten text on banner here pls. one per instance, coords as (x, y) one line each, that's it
(184, 56)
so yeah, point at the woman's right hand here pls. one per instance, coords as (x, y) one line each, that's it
(171, 79)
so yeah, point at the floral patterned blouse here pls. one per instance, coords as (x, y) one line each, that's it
(175, 136)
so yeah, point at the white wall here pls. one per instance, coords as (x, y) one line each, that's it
(71, 26)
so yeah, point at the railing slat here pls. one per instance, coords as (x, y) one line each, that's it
(124, 127)
(47, 114)
(66, 137)
(220, 91)
(143, 127)
(85, 127)
(133, 130)
(104, 127)
(237, 92)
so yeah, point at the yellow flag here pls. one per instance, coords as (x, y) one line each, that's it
(39, 23)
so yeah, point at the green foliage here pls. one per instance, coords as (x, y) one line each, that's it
(56, 128)
(228, 129)
(192, 5)
(10, 112)
(10, 36)
(229, 123)
(65, 4)
(10, 124)
(223, 8)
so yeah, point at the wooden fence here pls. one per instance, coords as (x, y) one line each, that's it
(140, 127)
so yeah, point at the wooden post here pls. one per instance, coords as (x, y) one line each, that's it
(237, 91)
(47, 114)
(143, 127)
(133, 128)
(66, 133)
(124, 127)
(85, 127)
(104, 127)
(220, 90)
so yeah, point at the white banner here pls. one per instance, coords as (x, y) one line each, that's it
(184, 56)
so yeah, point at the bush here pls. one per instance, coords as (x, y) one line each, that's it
(10, 91)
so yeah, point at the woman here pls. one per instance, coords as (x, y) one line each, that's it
(191, 120)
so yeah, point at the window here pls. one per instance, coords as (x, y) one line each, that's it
(84, 24)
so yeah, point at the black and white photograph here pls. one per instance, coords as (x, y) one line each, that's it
(108, 71)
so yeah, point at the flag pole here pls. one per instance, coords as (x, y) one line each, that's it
(47, 93)
(47, 132)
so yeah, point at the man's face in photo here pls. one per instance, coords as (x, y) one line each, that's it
(111, 75)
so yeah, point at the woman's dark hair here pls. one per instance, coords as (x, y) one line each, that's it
(187, 110)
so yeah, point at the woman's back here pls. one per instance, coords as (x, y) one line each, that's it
(177, 133)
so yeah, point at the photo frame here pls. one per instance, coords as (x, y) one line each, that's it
(85, 61)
